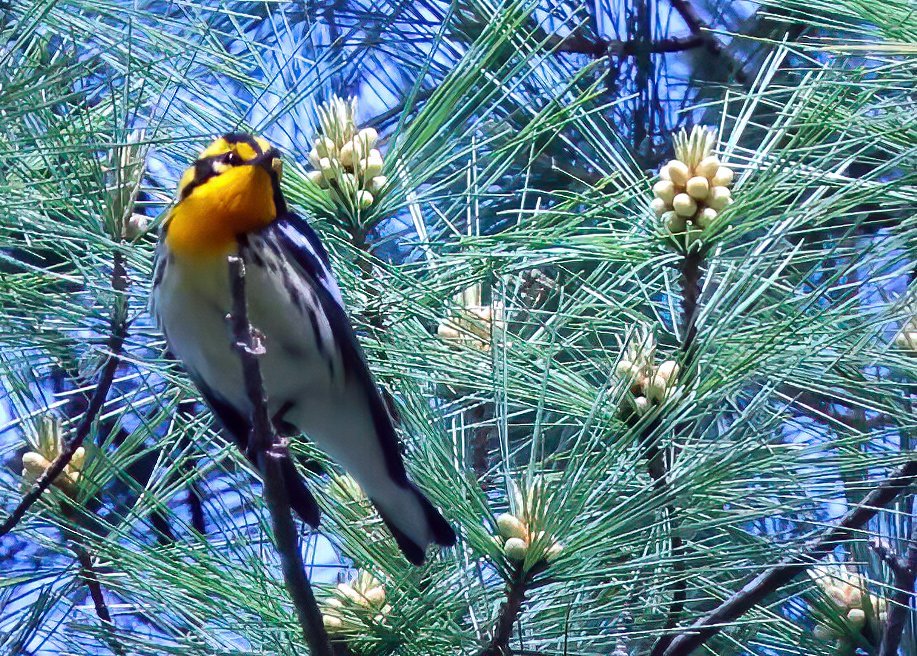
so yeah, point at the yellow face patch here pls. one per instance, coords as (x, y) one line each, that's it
(229, 191)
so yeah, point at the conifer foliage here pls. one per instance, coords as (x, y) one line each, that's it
(636, 278)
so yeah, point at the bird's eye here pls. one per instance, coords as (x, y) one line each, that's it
(232, 158)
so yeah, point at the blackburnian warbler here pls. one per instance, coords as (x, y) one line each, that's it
(315, 375)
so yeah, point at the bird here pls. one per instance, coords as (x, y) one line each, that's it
(316, 378)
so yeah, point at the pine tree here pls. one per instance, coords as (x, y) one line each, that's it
(637, 280)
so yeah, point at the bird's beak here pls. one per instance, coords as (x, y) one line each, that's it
(270, 162)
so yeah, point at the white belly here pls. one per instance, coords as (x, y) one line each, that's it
(193, 304)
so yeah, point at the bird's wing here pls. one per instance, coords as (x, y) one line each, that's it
(238, 426)
(300, 245)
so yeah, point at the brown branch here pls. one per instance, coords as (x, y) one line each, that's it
(691, 286)
(576, 43)
(118, 331)
(905, 574)
(700, 29)
(91, 579)
(516, 588)
(759, 588)
(269, 453)
(690, 296)
(382, 119)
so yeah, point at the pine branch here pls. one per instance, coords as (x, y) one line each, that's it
(691, 286)
(690, 282)
(700, 29)
(118, 331)
(268, 453)
(575, 43)
(91, 579)
(516, 589)
(763, 585)
(905, 575)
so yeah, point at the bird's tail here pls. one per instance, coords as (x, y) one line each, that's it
(414, 521)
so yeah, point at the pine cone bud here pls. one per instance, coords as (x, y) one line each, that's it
(684, 205)
(719, 198)
(698, 187)
(707, 167)
(515, 549)
(509, 526)
(723, 177)
(665, 190)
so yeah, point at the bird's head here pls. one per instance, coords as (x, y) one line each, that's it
(232, 188)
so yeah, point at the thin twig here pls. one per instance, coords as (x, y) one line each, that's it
(690, 297)
(268, 453)
(690, 281)
(118, 330)
(899, 606)
(575, 43)
(698, 28)
(770, 580)
(516, 588)
(91, 579)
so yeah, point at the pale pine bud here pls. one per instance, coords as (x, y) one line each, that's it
(135, 226)
(698, 187)
(906, 339)
(369, 136)
(377, 184)
(658, 206)
(723, 177)
(853, 597)
(554, 552)
(705, 217)
(333, 623)
(360, 149)
(641, 404)
(655, 390)
(676, 224)
(33, 465)
(684, 205)
(372, 165)
(509, 526)
(325, 147)
(837, 595)
(665, 190)
(668, 370)
(719, 198)
(679, 172)
(315, 159)
(626, 368)
(327, 168)
(515, 549)
(664, 173)
(346, 590)
(857, 617)
(707, 167)
(364, 199)
(376, 596)
(316, 178)
(346, 156)
(78, 459)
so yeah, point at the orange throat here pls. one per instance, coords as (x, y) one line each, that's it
(209, 220)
